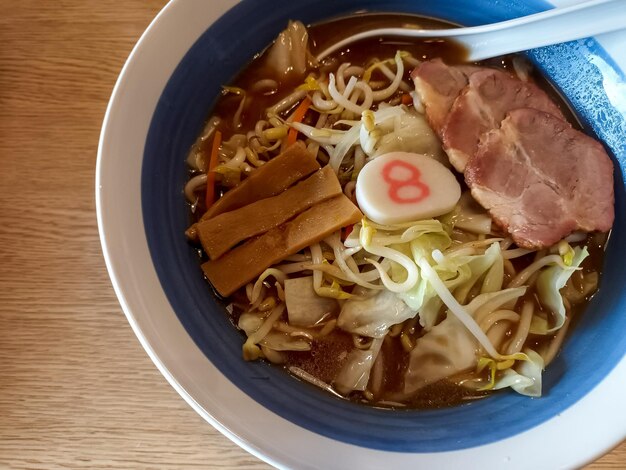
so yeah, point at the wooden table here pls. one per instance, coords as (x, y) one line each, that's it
(76, 388)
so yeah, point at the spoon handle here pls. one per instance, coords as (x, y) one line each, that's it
(520, 34)
(547, 28)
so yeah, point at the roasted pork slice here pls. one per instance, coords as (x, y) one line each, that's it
(482, 105)
(540, 179)
(438, 85)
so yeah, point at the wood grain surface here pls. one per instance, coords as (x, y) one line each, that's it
(76, 388)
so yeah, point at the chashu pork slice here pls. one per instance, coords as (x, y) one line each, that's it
(540, 179)
(482, 105)
(438, 85)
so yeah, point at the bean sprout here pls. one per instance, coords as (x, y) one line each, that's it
(380, 95)
(286, 102)
(193, 185)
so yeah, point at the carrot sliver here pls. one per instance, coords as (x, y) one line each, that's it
(406, 99)
(298, 116)
(210, 175)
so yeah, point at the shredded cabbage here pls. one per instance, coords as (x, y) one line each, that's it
(412, 273)
(355, 373)
(373, 316)
(250, 349)
(526, 379)
(409, 133)
(304, 306)
(553, 279)
(418, 282)
(447, 349)
(290, 52)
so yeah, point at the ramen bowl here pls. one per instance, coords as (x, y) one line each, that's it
(158, 107)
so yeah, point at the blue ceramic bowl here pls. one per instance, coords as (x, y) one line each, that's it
(594, 348)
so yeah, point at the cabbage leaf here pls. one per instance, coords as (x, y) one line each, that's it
(552, 280)
(290, 55)
(410, 133)
(373, 316)
(447, 349)
(450, 347)
(526, 378)
(355, 373)
(304, 306)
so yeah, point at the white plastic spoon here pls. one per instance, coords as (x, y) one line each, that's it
(541, 29)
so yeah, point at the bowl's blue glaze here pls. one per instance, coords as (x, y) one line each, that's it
(597, 344)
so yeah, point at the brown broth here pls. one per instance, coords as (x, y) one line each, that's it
(331, 32)
(325, 34)
(329, 353)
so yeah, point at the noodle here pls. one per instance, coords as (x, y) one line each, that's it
(496, 316)
(523, 328)
(523, 276)
(286, 102)
(555, 344)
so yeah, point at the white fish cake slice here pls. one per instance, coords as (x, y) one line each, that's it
(400, 187)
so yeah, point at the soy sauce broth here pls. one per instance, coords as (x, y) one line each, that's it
(325, 34)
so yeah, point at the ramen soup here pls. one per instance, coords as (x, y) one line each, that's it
(394, 225)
